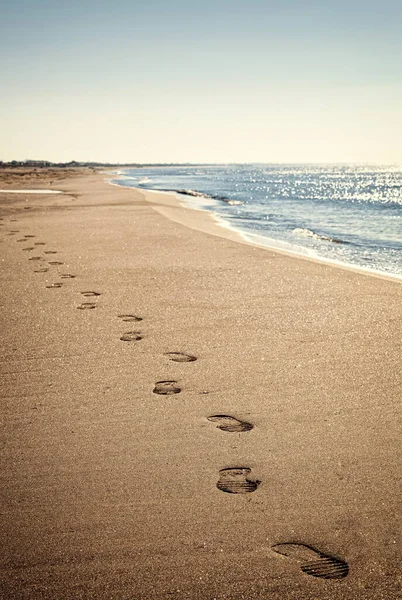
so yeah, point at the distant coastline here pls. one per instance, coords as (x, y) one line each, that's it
(73, 164)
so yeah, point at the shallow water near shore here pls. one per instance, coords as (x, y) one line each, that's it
(346, 214)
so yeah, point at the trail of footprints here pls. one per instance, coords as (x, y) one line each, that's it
(231, 480)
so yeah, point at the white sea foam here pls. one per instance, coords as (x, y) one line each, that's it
(303, 232)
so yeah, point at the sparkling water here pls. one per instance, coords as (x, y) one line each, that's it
(342, 213)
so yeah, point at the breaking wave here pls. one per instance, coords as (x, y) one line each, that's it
(302, 232)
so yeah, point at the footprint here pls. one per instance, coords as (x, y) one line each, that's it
(55, 262)
(36, 258)
(235, 481)
(67, 276)
(44, 270)
(54, 285)
(40, 243)
(87, 306)
(313, 562)
(131, 336)
(29, 236)
(165, 388)
(180, 357)
(129, 318)
(226, 423)
(21, 240)
(28, 249)
(50, 252)
(90, 294)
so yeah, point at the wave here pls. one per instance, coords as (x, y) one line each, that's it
(302, 232)
(196, 194)
(192, 193)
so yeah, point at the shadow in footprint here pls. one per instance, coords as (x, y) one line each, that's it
(40, 243)
(131, 336)
(28, 249)
(67, 276)
(166, 388)
(87, 306)
(29, 236)
(313, 562)
(55, 262)
(129, 318)
(90, 294)
(44, 270)
(180, 357)
(54, 285)
(50, 252)
(236, 481)
(36, 258)
(226, 423)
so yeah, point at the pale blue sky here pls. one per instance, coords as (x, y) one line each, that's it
(221, 81)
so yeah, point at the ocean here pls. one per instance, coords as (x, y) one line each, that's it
(346, 214)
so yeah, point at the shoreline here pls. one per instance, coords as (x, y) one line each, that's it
(189, 417)
(240, 236)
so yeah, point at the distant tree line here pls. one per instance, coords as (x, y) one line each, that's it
(73, 164)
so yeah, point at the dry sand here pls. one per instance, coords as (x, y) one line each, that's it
(113, 492)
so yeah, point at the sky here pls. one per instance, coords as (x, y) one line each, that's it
(216, 81)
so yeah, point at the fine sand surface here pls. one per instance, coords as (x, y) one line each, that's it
(115, 484)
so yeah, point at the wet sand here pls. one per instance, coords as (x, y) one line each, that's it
(268, 467)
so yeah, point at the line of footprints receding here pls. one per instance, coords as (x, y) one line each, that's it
(233, 480)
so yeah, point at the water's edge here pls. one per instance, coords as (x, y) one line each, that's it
(264, 242)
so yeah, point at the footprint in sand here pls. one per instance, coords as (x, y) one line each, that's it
(87, 306)
(21, 240)
(166, 388)
(54, 285)
(180, 357)
(131, 336)
(67, 276)
(55, 262)
(236, 481)
(40, 243)
(50, 252)
(36, 258)
(28, 249)
(312, 561)
(44, 270)
(90, 294)
(226, 423)
(129, 318)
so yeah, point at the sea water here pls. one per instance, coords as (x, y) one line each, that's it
(346, 214)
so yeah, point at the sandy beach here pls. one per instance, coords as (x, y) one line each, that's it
(186, 416)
